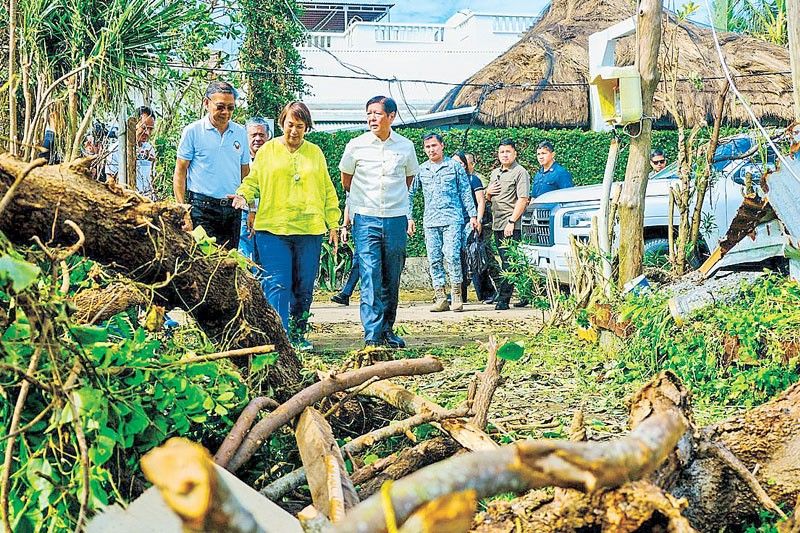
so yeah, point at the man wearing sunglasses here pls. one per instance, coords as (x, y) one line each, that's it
(213, 159)
(658, 160)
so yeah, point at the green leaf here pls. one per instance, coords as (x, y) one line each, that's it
(89, 334)
(370, 458)
(511, 351)
(260, 362)
(21, 273)
(225, 396)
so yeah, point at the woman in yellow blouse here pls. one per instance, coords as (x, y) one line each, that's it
(297, 206)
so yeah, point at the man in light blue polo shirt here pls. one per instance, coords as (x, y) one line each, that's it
(213, 158)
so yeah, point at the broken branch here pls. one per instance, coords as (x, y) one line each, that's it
(526, 465)
(231, 458)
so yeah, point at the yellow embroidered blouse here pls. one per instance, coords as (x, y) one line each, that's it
(295, 191)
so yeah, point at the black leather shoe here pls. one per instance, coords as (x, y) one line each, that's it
(491, 299)
(340, 298)
(395, 341)
(501, 306)
(522, 303)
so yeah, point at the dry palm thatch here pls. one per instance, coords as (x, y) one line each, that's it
(548, 71)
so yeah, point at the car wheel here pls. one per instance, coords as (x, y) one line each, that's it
(656, 253)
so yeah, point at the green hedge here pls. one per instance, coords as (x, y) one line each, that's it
(582, 153)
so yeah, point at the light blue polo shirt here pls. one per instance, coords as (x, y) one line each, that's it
(215, 167)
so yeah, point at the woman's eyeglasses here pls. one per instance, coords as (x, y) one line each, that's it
(658, 161)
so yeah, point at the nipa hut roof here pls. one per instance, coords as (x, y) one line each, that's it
(548, 70)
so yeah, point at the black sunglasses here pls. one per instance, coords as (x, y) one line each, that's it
(658, 161)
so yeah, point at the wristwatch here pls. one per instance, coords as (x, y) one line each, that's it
(512, 221)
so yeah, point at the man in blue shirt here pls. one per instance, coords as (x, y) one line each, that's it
(448, 197)
(213, 158)
(551, 175)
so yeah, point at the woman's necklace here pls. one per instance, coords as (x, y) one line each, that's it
(294, 155)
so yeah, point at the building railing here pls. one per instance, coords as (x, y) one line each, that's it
(409, 33)
(512, 23)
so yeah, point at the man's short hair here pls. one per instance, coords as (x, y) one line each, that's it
(657, 152)
(259, 121)
(547, 145)
(389, 105)
(508, 142)
(432, 135)
(145, 110)
(220, 87)
(298, 110)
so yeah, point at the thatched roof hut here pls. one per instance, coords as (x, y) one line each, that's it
(549, 71)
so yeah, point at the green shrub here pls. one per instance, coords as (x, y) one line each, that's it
(583, 153)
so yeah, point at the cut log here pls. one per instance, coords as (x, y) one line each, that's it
(465, 433)
(331, 490)
(185, 476)
(145, 241)
(400, 464)
(232, 455)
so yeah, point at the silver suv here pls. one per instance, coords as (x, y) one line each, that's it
(553, 216)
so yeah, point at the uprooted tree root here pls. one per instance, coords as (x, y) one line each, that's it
(144, 241)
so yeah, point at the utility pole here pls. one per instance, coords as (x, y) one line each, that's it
(631, 200)
(793, 27)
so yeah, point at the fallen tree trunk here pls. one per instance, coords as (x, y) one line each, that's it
(232, 455)
(145, 241)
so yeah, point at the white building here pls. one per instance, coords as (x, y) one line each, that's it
(359, 41)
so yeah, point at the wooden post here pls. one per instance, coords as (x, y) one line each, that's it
(793, 27)
(631, 200)
(603, 237)
(130, 153)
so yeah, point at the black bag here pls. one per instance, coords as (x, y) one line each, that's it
(477, 254)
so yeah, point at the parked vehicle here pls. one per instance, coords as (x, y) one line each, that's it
(552, 217)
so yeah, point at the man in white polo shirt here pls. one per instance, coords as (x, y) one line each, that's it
(213, 158)
(377, 169)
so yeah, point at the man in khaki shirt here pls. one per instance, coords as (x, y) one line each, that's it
(508, 190)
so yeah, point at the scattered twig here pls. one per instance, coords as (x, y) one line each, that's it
(25, 375)
(255, 350)
(5, 477)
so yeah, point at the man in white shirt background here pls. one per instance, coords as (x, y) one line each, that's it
(377, 169)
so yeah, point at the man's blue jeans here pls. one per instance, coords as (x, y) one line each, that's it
(381, 249)
(291, 264)
(443, 244)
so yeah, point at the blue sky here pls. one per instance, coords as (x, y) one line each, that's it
(441, 10)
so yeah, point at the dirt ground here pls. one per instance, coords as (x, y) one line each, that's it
(336, 328)
(539, 394)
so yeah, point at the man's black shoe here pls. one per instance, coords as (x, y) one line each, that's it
(491, 299)
(522, 303)
(374, 344)
(395, 341)
(340, 298)
(501, 306)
